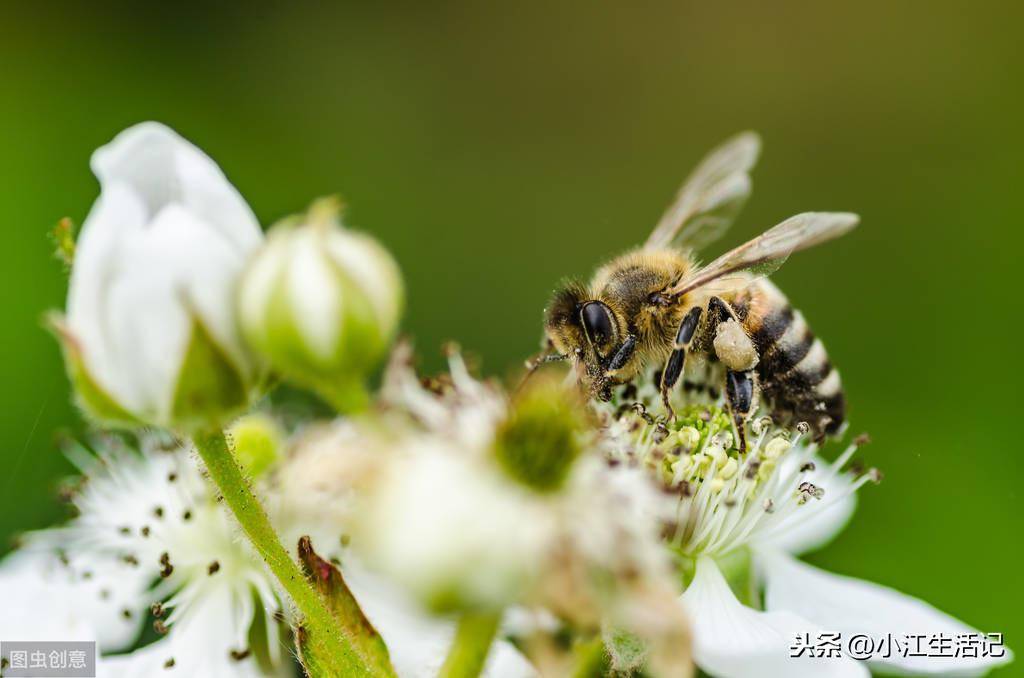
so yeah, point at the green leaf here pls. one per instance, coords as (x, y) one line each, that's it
(328, 581)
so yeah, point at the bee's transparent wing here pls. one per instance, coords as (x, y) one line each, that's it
(711, 198)
(767, 252)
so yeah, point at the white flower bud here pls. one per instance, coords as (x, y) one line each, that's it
(321, 303)
(150, 334)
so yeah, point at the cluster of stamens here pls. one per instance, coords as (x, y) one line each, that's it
(725, 497)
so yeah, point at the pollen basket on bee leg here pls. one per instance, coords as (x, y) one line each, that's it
(734, 348)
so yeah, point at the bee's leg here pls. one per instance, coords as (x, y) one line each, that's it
(606, 377)
(548, 355)
(677, 359)
(741, 393)
(741, 388)
(719, 311)
(623, 354)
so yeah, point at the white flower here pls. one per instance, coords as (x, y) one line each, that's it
(316, 492)
(452, 529)
(741, 514)
(153, 285)
(321, 302)
(437, 514)
(147, 516)
(43, 599)
(428, 506)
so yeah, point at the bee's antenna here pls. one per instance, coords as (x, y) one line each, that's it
(534, 363)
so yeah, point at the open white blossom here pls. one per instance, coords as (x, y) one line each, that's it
(44, 599)
(741, 518)
(426, 503)
(148, 516)
(317, 491)
(151, 332)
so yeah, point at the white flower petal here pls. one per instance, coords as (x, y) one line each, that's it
(314, 293)
(262, 275)
(734, 641)
(199, 645)
(162, 168)
(373, 269)
(116, 217)
(853, 606)
(817, 522)
(36, 607)
(45, 598)
(418, 643)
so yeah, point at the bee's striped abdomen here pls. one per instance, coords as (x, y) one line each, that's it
(794, 371)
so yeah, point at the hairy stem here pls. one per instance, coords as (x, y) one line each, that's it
(334, 651)
(473, 638)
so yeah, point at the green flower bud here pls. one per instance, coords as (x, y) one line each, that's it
(257, 440)
(542, 436)
(321, 304)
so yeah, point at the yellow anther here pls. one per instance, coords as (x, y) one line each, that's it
(724, 439)
(729, 470)
(775, 448)
(688, 437)
(718, 454)
(683, 465)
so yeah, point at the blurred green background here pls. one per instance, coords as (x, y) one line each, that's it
(496, 147)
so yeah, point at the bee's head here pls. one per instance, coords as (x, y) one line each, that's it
(578, 325)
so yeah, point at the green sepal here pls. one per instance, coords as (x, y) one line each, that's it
(342, 605)
(210, 386)
(626, 652)
(90, 397)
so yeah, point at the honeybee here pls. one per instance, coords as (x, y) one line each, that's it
(655, 305)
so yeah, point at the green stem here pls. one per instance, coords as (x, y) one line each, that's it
(346, 397)
(473, 638)
(333, 650)
(590, 659)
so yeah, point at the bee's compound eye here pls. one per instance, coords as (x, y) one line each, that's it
(597, 322)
